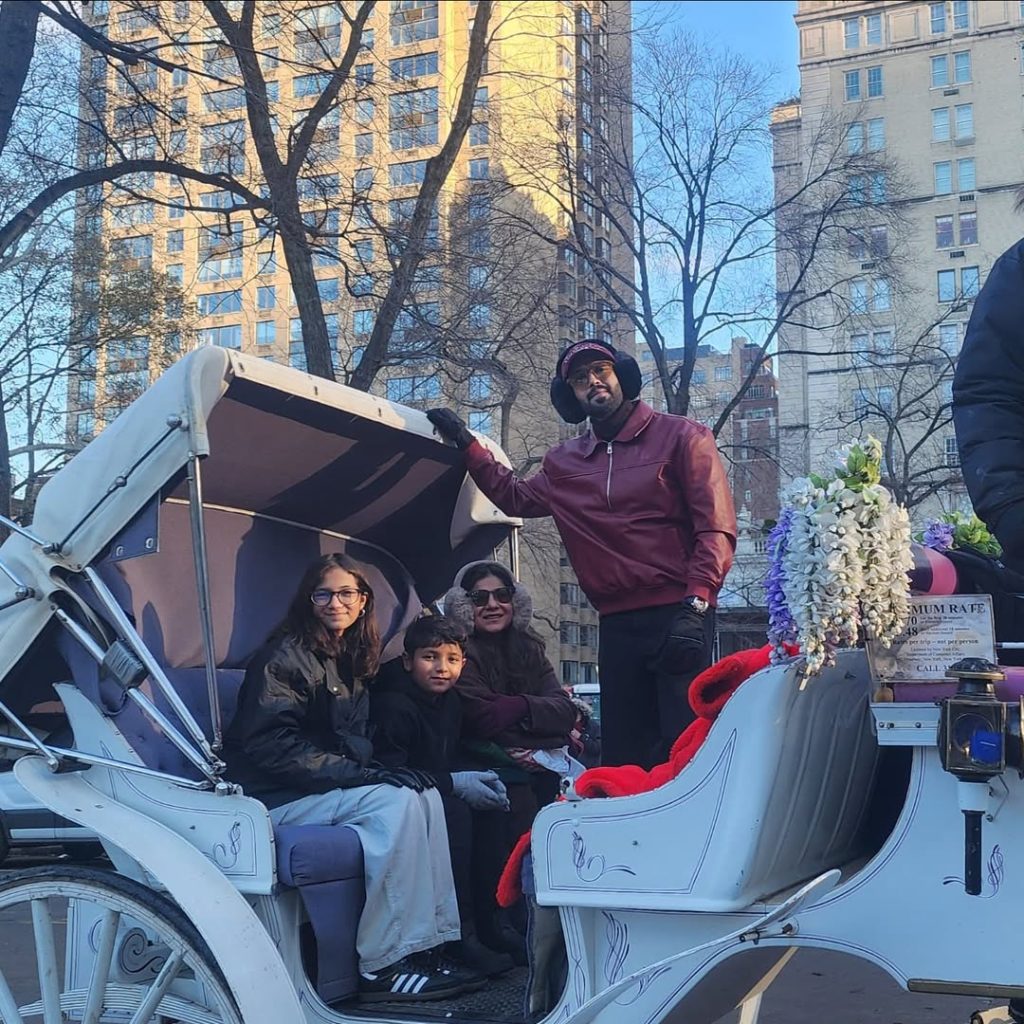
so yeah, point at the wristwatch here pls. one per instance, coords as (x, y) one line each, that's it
(698, 604)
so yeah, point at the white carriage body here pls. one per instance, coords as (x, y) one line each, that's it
(676, 904)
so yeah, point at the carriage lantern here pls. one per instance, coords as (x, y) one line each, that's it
(978, 736)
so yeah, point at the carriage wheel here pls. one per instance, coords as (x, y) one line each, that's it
(88, 945)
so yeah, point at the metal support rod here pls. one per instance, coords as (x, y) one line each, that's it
(195, 501)
(513, 552)
(34, 742)
(138, 697)
(63, 754)
(24, 590)
(17, 528)
(156, 673)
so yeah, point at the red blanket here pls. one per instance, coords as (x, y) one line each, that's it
(708, 695)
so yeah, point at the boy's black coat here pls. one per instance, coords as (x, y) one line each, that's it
(413, 728)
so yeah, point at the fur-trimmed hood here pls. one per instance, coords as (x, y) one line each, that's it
(459, 608)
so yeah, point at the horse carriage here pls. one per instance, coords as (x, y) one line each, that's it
(159, 559)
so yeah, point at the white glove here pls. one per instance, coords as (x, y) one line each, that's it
(483, 791)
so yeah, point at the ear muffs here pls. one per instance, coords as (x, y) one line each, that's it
(563, 398)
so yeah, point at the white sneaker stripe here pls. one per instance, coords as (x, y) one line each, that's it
(410, 985)
(396, 985)
(419, 984)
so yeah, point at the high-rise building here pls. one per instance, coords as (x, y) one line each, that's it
(932, 89)
(748, 440)
(485, 319)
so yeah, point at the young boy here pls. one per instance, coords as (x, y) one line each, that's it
(417, 717)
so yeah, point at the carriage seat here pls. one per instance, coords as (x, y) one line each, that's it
(325, 863)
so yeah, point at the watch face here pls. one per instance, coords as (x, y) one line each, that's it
(698, 604)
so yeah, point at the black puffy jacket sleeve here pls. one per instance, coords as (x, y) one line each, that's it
(988, 404)
(273, 723)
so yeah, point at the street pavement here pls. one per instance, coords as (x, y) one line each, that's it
(815, 987)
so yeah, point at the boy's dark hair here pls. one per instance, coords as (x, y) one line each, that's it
(432, 631)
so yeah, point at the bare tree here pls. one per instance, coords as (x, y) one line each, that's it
(231, 59)
(679, 226)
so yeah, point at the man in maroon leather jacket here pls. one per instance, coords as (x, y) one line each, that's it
(646, 516)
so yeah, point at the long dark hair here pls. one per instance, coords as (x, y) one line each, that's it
(360, 642)
(514, 658)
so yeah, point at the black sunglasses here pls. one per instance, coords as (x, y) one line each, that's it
(503, 595)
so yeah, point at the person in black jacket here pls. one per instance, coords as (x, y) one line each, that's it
(988, 404)
(299, 741)
(417, 718)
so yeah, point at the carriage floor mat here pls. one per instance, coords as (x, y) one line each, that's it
(501, 1002)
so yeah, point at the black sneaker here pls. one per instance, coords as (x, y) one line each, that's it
(472, 953)
(416, 978)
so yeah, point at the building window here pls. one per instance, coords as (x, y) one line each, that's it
(855, 137)
(218, 303)
(851, 82)
(940, 71)
(851, 33)
(266, 332)
(364, 74)
(951, 452)
(364, 144)
(266, 297)
(964, 120)
(405, 68)
(569, 594)
(297, 351)
(409, 173)
(874, 82)
(876, 134)
(228, 336)
(886, 398)
(414, 388)
(859, 295)
(879, 240)
(970, 282)
(961, 15)
(363, 179)
(481, 422)
(175, 273)
(479, 134)
(861, 403)
(949, 339)
(328, 289)
(969, 228)
(940, 124)
(362, 322)
(965, 177)
(723, 373)
(412, 21)
(943, 175)
(944, 232)
(699, 377)
(480, 387)
(479, 169)
(946, 282)
(938, 18)
(873, 29)
(175, 241)
(413, 118)
(881, 295)
(962, 66)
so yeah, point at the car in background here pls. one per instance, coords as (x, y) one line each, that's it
(591, 693)
(25, 823)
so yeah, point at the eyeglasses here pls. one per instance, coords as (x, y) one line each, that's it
(322, 598)
(601, 370)
(503, 595)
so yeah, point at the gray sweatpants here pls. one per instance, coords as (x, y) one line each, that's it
(410, 895)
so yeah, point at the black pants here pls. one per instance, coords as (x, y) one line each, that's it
(644, 705)
(496, 832)
(459, 819)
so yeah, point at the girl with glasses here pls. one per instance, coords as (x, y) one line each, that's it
(300, 742)
(513, 707)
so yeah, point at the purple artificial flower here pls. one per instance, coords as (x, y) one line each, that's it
(781, 625)
(938, 535)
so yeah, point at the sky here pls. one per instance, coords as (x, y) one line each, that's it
(762, 30)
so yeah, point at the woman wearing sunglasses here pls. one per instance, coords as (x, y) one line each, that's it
(299, 742)
(513, 707)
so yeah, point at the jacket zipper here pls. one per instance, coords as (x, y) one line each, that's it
(608, 485)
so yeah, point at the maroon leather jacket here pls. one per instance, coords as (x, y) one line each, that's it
(646, 518)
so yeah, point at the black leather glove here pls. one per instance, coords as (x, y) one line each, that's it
(685, 647)
(408, 778)
(451, 427)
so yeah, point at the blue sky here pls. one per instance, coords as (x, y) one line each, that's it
(762, 30)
